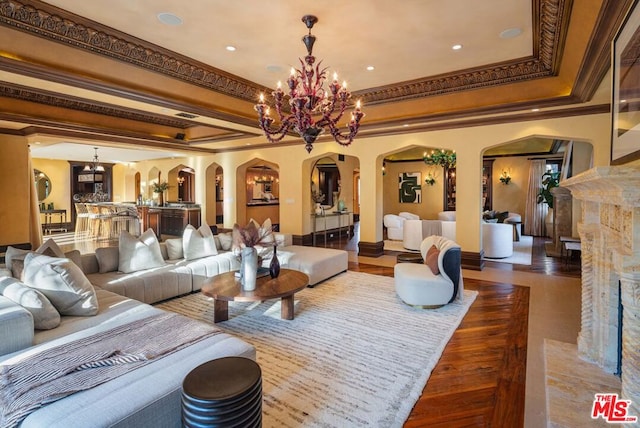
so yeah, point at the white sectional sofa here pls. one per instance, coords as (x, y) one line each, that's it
(150, 395)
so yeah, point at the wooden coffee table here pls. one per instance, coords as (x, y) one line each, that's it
(225, 288)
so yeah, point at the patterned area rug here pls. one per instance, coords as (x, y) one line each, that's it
(354, 355)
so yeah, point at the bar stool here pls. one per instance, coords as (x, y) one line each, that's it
(82, 220)
(226, 392)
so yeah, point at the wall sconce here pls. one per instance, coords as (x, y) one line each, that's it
(180, 180)
(431, 178)
(505, 177)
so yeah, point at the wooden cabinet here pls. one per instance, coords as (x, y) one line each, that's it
(149, 219)
(487, 184)
(174, 220)
(449, 203)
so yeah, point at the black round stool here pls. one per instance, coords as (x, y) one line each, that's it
(226, 392)
(409, 258)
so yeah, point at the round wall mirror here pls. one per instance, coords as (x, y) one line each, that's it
(43, 184)
(325, 180)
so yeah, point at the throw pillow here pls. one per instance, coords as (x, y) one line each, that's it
(12, 254)
(50, 248)
(198, 243)
(62, 282)
(226, 240)
(45, 315)
(108, 259)
(174, 248)
(502, 216)
(431, 259)
(141, 253)
(74, 256)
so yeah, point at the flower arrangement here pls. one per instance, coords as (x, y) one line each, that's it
(160, 187)
(251, 235)
(317, 196)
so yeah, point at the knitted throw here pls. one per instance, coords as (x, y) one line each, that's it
(82, 364)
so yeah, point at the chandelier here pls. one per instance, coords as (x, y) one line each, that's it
(311, 105)
(94, 166)
(442, 158)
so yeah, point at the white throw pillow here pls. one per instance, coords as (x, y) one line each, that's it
(174, 248)
(226, 240)
(62, 282)
(45, 315)
(139, 253)
(199, 243)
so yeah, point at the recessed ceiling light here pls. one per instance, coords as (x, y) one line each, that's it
(405, 125)
(622, 101)
(169, 18)
(370, 68)
(510, 33)
(535, 109)
(456, 47)
(231, 48)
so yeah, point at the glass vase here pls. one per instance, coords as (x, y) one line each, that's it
(274, 266)
(249, 268)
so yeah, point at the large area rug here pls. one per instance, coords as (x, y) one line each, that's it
(354, 355)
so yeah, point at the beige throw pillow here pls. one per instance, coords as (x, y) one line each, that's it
(141, 253)
(108, 259)
(45, 315)
(198, 243)
(226, 241)
(174, 248)
(62, 282)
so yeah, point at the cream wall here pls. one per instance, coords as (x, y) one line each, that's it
(15, 179)
(513, 196)
(58, 172)
(295, 164)
(432, 196)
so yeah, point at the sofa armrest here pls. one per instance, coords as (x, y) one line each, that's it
(16, 327)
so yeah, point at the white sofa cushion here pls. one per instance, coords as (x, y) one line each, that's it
(16, 327)
(409, 216)
(141, 253)
(63, 282)
(197, 243)
(45, 316)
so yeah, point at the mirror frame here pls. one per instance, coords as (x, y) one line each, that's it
(39, 178)
(334, 181)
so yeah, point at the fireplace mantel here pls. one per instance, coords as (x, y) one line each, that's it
(610, 234)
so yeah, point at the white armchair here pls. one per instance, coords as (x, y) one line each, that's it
(394, 224)
(417, 285)
(497, 240)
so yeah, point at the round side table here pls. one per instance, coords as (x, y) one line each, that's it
(222, 393)
(409, 258)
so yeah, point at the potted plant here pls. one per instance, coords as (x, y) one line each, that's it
(549, 181)
(160, 188)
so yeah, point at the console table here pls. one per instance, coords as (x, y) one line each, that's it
(322, 223)
(49, 226)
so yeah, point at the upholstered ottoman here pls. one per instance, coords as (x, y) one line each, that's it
(318, 263)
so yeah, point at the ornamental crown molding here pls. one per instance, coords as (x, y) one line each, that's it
(43, 20)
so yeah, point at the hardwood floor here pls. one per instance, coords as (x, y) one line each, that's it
(480, 378)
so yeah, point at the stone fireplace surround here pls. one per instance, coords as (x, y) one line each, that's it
(610, 234)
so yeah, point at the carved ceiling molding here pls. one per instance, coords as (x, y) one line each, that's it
(48, 98)
(549, 35)
(55, 24)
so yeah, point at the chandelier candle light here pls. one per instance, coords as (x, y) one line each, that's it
(308, 98)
